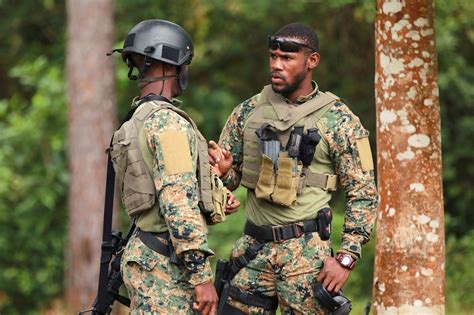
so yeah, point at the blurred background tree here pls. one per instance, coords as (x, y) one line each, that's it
(91, 116)
(230, 65)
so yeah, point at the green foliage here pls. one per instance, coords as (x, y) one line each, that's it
(459, 274)
(455, 41)
(33, 187)
(29, 29)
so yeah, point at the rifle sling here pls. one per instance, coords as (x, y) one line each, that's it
(106, 247)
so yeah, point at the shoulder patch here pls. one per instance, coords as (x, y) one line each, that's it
(176, 152)
(365, 154)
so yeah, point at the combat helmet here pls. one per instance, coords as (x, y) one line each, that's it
(159, 40)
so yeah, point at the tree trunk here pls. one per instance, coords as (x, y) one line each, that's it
(409, 262)
(91, 104)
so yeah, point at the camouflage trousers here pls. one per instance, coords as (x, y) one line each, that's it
(287, 269)
(154, 285)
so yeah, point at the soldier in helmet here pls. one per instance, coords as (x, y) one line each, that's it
(289, 146)
(165, 180)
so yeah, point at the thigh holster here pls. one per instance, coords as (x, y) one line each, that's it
(226, 271)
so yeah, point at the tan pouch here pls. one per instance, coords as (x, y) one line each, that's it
(287, 181)
(219, 199)
(266, 179)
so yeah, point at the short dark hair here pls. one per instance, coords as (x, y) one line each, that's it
(302, 32)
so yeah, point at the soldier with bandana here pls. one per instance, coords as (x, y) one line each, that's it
(165, 181)
(289, 146)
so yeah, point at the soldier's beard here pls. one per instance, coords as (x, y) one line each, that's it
(289, 88)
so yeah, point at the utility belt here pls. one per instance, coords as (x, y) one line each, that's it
(151, 241)
(278, 233)
(226, 270)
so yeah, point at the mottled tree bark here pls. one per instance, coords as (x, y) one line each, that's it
(409, 262)
(91, 104)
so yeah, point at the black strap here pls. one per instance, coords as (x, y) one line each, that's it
(155, 79)
(266, 302)
(106, 246)
(277, 233)
(150, 240)
(240, 262)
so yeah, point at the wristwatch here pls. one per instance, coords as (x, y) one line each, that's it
(346, 260)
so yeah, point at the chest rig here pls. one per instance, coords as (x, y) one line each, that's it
(133, 163)
(281, 179)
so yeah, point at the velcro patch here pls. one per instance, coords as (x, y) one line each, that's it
(365, 154)
(176, 153)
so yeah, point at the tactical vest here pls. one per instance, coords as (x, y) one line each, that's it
(271, 108)
(133, 163)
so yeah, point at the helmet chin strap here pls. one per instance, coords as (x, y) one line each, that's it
(155, 79)
(147, 81)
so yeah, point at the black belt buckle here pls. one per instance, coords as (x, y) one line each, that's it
(281, 233)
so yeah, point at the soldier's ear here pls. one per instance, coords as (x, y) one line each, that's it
(313, 61)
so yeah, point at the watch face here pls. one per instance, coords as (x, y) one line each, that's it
(346, 261)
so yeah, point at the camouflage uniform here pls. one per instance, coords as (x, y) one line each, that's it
(154, 284)
(289, 268)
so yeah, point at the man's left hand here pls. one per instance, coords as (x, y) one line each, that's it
(333, 275)
(232, 204)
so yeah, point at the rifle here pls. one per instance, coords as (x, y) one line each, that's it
(108, 290)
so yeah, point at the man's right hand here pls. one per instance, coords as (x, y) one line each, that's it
(219, 158)
(333, 275)
(206, 299)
